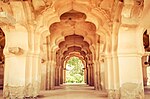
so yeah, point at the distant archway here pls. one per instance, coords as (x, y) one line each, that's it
(74, 71)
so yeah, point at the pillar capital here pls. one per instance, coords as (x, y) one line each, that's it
(14, 51)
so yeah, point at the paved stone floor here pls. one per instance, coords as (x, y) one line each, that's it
(75, 92)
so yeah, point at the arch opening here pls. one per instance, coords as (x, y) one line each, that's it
(74, 70)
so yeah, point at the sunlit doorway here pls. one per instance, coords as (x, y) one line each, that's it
(74, 71)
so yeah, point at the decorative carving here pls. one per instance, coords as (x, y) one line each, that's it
(99, 3)
(11, 92)
(41, 5)
(5, 1)
(43, 60)
(132, 12)
(132, 91)
(137, 8)
(126, 11)
(5, 18)
(113, 94)
(32, 89)
(15, 50)
(20, 92)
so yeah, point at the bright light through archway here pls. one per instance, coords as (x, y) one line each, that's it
(74, 71)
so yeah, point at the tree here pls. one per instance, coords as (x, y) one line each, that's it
(76, 73)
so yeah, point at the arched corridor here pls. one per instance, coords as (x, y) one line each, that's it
(69, 40)
(110, 37)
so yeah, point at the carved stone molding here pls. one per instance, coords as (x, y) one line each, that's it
(13, 92)
(43, 61)
(137, 8)
(20, 92)
(32, 89)
(15, 50)
(5, 18)
(113, 94)
(132, 91)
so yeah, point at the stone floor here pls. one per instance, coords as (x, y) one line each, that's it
(73, 92)
(76, 91)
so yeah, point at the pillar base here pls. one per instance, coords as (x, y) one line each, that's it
(132, 91)
(32, 89)
(20, 92)
(13, 92)
(114, 94)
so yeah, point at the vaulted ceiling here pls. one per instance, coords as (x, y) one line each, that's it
(80, 21)
(72, 36)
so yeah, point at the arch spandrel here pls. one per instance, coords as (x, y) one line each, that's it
(92, 16)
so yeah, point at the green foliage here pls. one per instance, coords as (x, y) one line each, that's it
(75, 75)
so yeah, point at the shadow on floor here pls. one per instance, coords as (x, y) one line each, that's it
(40, 96)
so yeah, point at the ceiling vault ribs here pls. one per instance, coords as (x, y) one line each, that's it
(77, 35)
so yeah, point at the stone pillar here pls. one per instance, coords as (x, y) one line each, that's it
(132, 82)
(14, 77)
(116, 71)
(85, 75)
(64, 75)
(97, 75)
(108, 72)
(87, 78)
(102, 74)
(56, 76)
(15, 61)
(111, 76)
(61, 75)
(33, 75)
(130, 65)
(144, 69)
(59, 69)
(43, 74)
(52, 71)
(91, 75)
(50, 75)
(114, 91)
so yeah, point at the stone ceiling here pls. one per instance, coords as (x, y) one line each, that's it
(73, 35)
